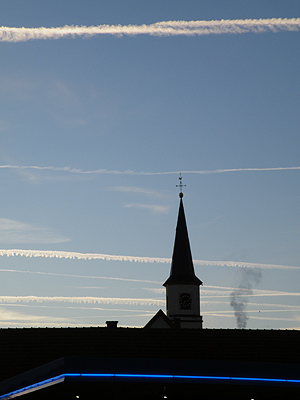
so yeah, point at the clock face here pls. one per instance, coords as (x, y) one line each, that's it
(185, 301)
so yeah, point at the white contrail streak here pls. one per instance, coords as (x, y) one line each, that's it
(264, 318)
(109, 257)
(223, 291)
(221, 171)
(80, 256)
(80, 300)
(104, 171)
(78, 276)
(162, 29)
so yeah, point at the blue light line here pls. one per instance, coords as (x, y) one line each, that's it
(31, 387)
(62, 377)
(259, 379)
(144, 376)
(94, 375)
(201, 377)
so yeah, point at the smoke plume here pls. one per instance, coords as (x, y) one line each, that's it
(239, 297)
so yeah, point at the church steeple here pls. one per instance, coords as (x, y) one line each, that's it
(182, 286)
(182, 269)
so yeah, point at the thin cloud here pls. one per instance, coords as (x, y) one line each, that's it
(221, 171)
(77, 276)
(258, 307)
(280, 307)
(138, 190)
(5, 324)
(162, 29)
(105, 171)
(11, 316)
(77, 307)
(19, 232)
(206, 291)
(225, 314)
(255, 316)
(223, 291)
(264, 318)
(87, 287)
(273, 294)
(109, 257)
(154, 208)
(237, 264)
(156, 291)
(81, 300)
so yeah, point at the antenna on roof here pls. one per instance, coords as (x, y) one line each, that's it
(180, 185)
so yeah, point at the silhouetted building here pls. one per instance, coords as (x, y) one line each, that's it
(164, 362)
(182, 286)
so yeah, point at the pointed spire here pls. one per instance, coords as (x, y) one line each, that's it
(182, 269)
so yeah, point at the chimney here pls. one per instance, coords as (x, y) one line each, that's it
(112, 324)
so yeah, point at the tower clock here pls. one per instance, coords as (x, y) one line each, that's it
(185, 301)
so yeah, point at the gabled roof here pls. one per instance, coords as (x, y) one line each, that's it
(160, 320)
(182, 269)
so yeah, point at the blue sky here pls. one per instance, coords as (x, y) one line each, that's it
(94, 132)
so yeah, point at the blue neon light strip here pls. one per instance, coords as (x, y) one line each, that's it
(60, 378)
(35, 386)
(144, 376)
(202, 377)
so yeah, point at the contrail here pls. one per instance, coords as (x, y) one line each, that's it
(162, 29)
(78, 276)
(109, 257)
(81, 256)
(105, 171)
(80, 300)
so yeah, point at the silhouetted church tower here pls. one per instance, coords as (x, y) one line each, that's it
(182, 287)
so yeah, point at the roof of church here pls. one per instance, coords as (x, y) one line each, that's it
(182, 269)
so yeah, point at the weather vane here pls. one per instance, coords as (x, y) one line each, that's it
(180, 185)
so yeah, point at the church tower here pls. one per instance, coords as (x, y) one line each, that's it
(182, 286)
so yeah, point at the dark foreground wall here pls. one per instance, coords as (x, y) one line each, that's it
(154, 378)
(24, 349)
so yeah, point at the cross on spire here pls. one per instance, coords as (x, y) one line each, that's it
(180, 185)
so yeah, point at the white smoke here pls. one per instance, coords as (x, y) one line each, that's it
(239, 297)
(109, 257)
(164, 28)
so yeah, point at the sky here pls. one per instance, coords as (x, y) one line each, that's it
(103, 104)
